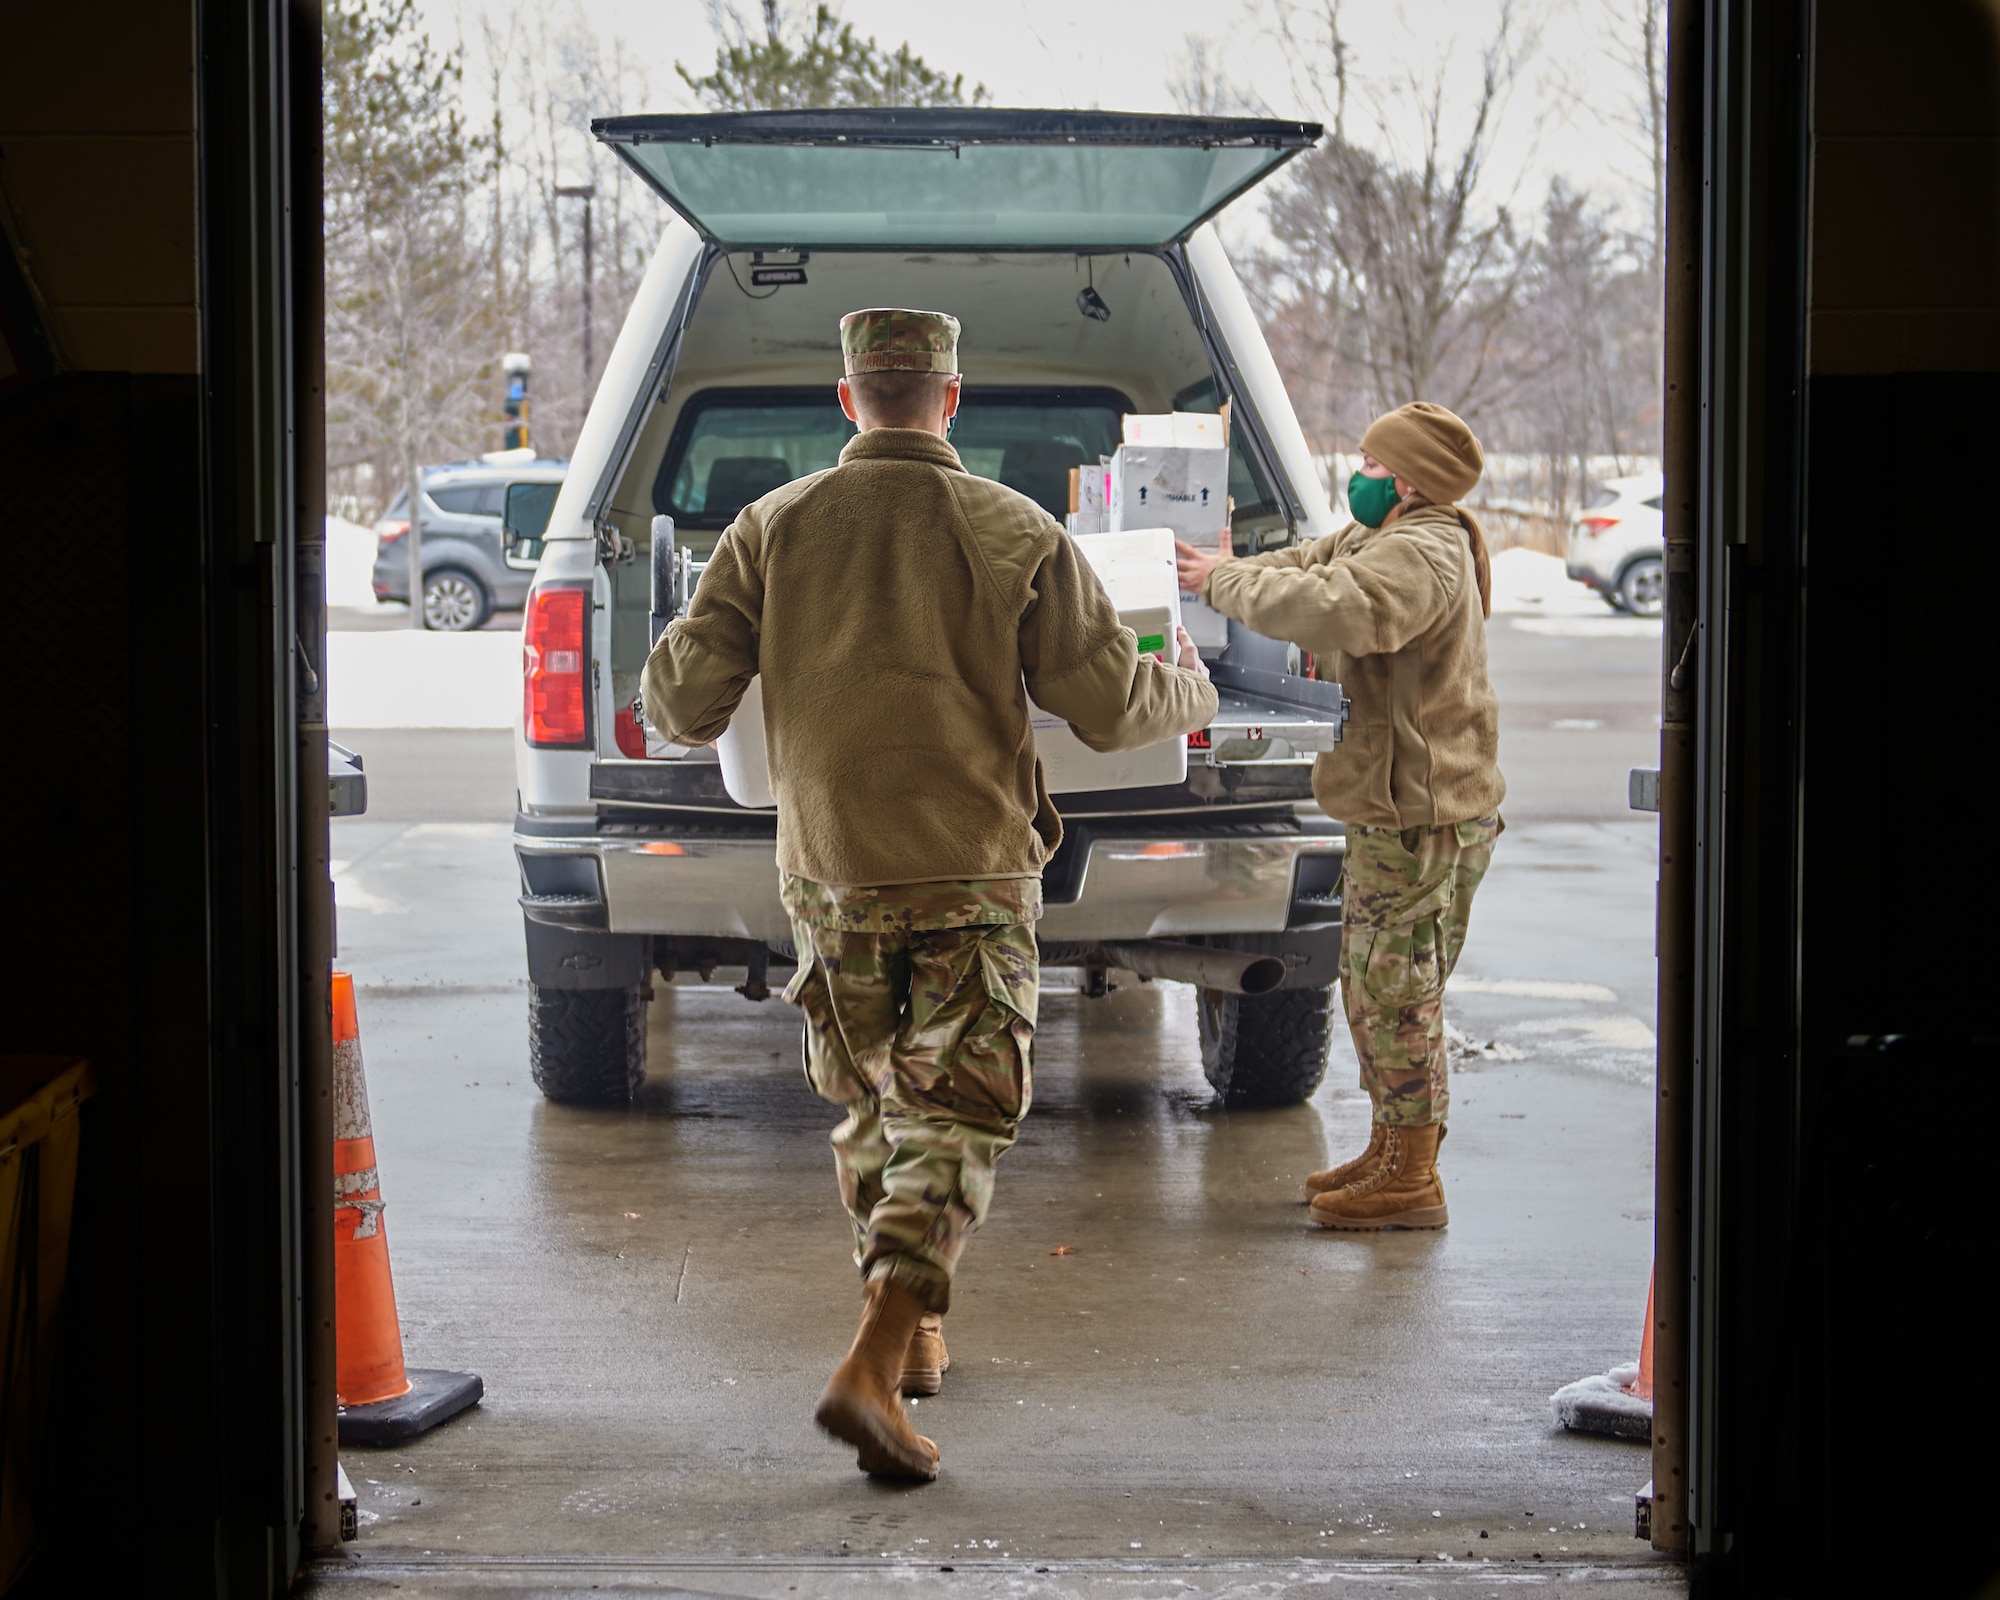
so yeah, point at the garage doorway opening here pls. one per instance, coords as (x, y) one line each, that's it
(1154, 1358)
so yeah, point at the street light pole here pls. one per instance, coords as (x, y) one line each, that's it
(585, 192)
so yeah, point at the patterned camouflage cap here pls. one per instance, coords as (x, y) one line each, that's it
(886, 340)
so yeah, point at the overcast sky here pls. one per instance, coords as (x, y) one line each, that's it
(1125, 54)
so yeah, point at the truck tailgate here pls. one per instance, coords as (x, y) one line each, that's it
(1268, 717)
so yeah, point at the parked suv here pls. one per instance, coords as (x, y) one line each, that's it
(1074, 248)
(467, 571)
(1616, 545)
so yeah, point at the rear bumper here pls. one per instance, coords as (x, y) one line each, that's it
(1113, 886)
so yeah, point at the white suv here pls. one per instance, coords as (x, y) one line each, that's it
(1074, 248)
(1615, 544)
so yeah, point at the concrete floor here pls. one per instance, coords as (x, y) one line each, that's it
(1202, 1396)
(1251, 1579)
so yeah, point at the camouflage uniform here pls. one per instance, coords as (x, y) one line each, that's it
(919, 1004)
(1406, 900)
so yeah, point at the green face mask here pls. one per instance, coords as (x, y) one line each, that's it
(1371, 499)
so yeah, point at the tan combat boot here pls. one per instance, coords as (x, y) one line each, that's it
(927, 1361)
(1403, 1190)
(861, 1405)
(1348, 1171)
(1353, 1171)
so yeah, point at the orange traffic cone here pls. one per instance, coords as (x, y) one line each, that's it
(1618, 1402)
(1641, 1386)
(380, 1401)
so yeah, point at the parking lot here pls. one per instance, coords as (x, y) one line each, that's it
(1160, 1373)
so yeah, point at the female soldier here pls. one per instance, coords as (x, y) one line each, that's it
(1395, 606)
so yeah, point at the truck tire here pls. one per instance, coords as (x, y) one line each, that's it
(587, 1046)
(1265, 1050)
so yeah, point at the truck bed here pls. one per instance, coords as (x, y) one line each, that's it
(1256, 752)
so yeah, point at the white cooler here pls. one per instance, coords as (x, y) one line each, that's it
(1136, 568)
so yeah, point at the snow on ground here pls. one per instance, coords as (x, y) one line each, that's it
(350, 559)
(1528, 583)
(407, 679)
(1540, 597)
(402, 678)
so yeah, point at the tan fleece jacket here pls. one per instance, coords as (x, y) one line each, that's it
(902, 613)
(1394, 614)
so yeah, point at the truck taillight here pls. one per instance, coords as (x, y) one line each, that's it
(555, 653)
(630, 735)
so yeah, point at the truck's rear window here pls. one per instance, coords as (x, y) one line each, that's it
(732, 446)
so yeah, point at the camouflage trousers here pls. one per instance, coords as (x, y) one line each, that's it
(924, 1035)
(1406, 898)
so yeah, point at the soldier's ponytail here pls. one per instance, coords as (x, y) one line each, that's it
(1482, 563)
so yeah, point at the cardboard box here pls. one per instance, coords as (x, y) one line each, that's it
(1178, 430)
(1163, 486)
(1208, 627)
(1089, 487)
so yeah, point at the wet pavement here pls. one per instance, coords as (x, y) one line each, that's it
(1163, 1381)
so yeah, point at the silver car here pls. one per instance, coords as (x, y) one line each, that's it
(1615, 544)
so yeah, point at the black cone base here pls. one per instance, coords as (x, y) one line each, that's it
(1594, 1415)
(434, 1397)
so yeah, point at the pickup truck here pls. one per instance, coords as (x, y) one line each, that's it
(1077, 250)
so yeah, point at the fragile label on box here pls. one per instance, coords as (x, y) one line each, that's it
(1160, 487)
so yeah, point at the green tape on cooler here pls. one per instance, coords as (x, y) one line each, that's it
(1152, 643)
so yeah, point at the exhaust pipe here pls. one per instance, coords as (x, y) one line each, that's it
(1236, 971)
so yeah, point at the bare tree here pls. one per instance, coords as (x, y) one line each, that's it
(813, 62)
(1585, 342)
(407, 340)
(1641, 48)
(1395, 264)
(1571, 406)
(446, 250)
(1201, 85)
(1398, 265)
(549, 78)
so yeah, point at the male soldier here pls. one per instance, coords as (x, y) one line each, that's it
(901, 613)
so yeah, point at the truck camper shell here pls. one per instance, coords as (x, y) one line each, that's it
(1076, 251)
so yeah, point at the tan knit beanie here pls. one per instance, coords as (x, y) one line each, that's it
(1428, 446)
